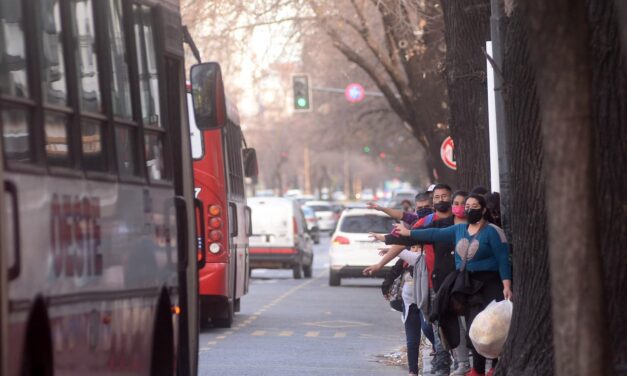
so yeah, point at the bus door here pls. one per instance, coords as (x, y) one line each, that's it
(3, 280)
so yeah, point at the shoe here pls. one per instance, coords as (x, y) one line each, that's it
(473, 372)
(461, 369)
(490, 372)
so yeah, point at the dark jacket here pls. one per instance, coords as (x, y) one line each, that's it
(444, 251)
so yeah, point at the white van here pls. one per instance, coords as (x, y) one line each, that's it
(280, 237)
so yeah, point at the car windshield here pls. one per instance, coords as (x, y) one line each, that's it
(320, 208)
(367, 223)
(308, 212)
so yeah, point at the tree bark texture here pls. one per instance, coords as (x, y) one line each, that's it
(529, 348)
(467, 28)
(559, 51)
(609, 106)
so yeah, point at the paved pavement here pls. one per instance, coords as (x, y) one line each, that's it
(304, 327)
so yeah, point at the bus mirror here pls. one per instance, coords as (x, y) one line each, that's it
(251, 169)
(208, 96)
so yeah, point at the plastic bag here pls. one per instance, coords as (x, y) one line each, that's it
(489, 329)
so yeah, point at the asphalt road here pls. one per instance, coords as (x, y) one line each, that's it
(304, 327)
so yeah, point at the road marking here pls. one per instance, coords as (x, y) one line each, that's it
(339, 335)
(258, 333)
(287, 333)
(220, 337)
(312, 334)
(211, 343)
(338, 324)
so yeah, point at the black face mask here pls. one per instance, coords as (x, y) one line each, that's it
(423, 212)
(442, 206)
(474, 215)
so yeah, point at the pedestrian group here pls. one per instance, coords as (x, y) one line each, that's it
(454, 259)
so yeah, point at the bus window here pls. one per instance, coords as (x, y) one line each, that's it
(154, 156)
(126, 141)
(92, 135)
(55, 86)
(120, 83)
(147, 67)
(14, 82)
(57, 143)
(84, 33)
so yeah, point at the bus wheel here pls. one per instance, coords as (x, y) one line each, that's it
(227, 320)
(37, 357)
(162, 362)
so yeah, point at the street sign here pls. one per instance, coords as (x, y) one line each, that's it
(354, 92)
(446, 153)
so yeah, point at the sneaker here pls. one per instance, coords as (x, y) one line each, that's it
(473, 372)
(461, 369)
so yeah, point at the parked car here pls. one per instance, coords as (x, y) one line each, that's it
(280, 239)
(312, 223)
(351, 248)
(324, 212)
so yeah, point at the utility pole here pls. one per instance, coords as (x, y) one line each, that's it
(497, 30)
(307, 170)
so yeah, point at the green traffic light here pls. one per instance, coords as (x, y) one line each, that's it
(366, 149)
(301, 102)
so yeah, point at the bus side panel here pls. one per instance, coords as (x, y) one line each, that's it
(99, 253)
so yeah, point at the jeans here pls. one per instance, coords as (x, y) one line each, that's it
(442, 356)
(461, 352)
(412, 333)
(427, 329)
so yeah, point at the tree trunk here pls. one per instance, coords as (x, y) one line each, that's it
(609, 93)
(467, 28)
(529, 347)
(559, 51)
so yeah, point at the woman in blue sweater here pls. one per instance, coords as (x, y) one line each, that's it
(481, 248)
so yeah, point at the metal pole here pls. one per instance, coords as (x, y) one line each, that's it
(497, 30)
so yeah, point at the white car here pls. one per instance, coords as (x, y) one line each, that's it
(327, 218)
(351, 248)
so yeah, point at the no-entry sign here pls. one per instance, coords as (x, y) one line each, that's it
(354, 92)
(446, 153)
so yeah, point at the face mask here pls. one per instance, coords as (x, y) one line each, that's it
(474, 215)
(459, 211)
(442, 206)
(423, 212)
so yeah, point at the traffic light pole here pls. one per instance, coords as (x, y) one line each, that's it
(342, 91)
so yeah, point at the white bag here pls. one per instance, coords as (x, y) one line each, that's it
(489, 329)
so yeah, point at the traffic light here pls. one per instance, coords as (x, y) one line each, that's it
(366, 149)
(302, 96)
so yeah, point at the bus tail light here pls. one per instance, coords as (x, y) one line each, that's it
(295, 224)
(215, 235)
(215, 223)
(214, 210)
(340, 240)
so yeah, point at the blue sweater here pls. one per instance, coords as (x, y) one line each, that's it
(493, 252)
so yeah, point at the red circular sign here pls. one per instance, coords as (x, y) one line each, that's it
(354, 93)
(446, 153)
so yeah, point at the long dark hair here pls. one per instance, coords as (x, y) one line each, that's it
(487, 215)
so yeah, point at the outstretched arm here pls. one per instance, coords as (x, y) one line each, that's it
(394, 213)
(392, 253)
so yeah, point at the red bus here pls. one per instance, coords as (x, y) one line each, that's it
(221, 162)
(100, 257)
